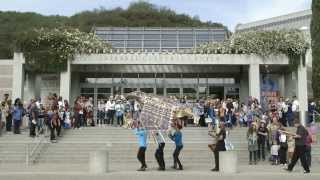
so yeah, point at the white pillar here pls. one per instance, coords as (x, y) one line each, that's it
(65, 83)
(18, 76)
(302, 89)
(99, 162)
(254, 81)
(228, 162)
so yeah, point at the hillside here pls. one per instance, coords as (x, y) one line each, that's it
(12, 24)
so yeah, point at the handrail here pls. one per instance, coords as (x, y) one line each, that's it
(30, 155)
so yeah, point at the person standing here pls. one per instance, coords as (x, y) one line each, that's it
(6, 104)
(220, 145)
(252, 144)
(112, 111)
(34, 115)
(54, 125)
(17, 113)
(283, 147)
(119, 109)
(177, 138)
(300, 147)
(159, 151)
(262, 137)
(142, 137)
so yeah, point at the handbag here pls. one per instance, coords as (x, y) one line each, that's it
(208, 120)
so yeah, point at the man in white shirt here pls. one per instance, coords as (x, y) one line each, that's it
(295, 104)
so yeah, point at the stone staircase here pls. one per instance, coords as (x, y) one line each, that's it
(74, 148)
(13, 148)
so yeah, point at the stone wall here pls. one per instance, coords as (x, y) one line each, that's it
(6, 79)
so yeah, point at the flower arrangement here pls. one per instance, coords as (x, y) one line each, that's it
(263, 43)
(48, 50)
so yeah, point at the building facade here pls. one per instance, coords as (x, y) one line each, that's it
(160, 61)
(154, 39)
(299, 20)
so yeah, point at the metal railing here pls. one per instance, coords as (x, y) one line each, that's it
(34, 153)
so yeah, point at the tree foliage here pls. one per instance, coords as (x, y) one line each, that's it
(315, 36)
(14, 24)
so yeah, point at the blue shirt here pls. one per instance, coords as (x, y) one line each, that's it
(142, 136)
(17, 113)
(177, 138)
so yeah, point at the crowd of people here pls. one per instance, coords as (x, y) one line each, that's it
(267, 124)
(233, 113)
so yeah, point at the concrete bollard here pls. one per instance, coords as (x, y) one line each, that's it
(99, 162)
(228, 161)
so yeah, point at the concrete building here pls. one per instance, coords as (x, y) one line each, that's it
(160, 61)
(299, 20)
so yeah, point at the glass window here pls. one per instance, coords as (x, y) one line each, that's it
(103, 97)
(216, 91)
(147, 90)
(160, 91)
(169, 43)
(173, 92)
(104, 90)
(134, 44)
(152, 36)
(202, 91)
(153, 44)
(129, 90)
(185, 43)
(87, 90)
(190, 93)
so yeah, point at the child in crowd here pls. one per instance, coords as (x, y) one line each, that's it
(67, 120)
(275, 152)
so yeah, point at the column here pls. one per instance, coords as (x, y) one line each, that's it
(254, 81)
(65, 83)
(302, 91)
(244, 85)
(18, 76)
(282, 85)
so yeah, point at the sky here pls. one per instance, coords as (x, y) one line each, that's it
(227, 12)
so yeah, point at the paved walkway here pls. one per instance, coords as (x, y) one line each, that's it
(77, 172)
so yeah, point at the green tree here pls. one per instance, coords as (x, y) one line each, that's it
(315, 36)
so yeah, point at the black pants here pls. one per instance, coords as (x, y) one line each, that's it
(283, 154)
(59, 127)
(202, 121)
(253, 156)
(111, 117)
(308, 155)
(32, 129)
(299, 153)
(261, 150)
(9, 123)
(176, 159)
(17, 124)
(52, 132)
(159, 156)
(142, 156)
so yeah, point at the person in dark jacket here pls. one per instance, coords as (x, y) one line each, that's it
(262, 138)
(220, 146)
(177, 138)
(159, 151)
(300, 147)
(17, 115)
